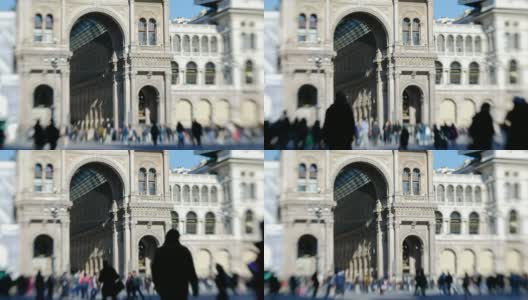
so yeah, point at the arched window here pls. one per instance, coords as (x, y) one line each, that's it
(43, 246)
(507, 191)
(307, 246)
(49, 172)
(214, 194)
(474, 223)
(176, 193)
(37, 32)
(48, 184)
(301, 178)
(142, 181)
(478, 44)
(37, 178)
(210, 223)
(186, 44)
(301, 31)
(43, 96)
(48, 34)
(450, 193)
(191, 76)
(250, 77)
(455, 223)
(406, 38)
(191, 223)
(244, 40)
(469, 194)
(175, 220)
(152, 181)
(175, 72)
(474, 73)
(416, 32)
(513, 72)
(210, 73)
(312, 34)
(186, 194)
(249, 222)
(253, 41)
(516, 41)
(196, 44)
(214, 44)
(456, 71)
(516, 191)
(312, 181)
(205, 194)
(196, 194)
(439, 72)
(142, 28)
(459, 194)
(152, 28)
(460, 45)
(450, 44)
(205, 44)
(440, 44)
(243, 191)
(313, 21)
(513, 222)
(176, 44)
(439, 220)
(440, 193)
(478, 194)
(406, 181)
(469, 45)
(416, 181)
(508, 41)
(313, 171)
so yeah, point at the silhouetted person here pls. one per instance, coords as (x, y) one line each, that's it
(465, 285)
(109, 278)
(173, 269)
(154, 133)
(315, 284)
(517, 125)
(234, 283)
(339, 126)
(180, 131)
(448, 282)
(421, 282)
(221, 281)
(2, 136)
(481, 129)
(197, 132)
(137, 285)
(39, 286)
(130, 288)
(292, 283)
(316, 135)
(52, 135)
(39, 137)
(50, 285)
(404, 138)
(5, 285)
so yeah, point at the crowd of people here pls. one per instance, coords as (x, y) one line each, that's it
(173, 273)
(341, 131)
(336, 284)
(153, 134)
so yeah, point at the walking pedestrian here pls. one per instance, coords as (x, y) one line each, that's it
(39, 286)
(110, 280)
(221, 281)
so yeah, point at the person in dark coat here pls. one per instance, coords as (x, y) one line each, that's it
(180, 131)
(448, 282)
(197, 132)
(315, 284)
(50, 286)
(52, 134)
(465, 285)
(154, 132)
(421, 283)
(173, 269)
(404, 138)
(316, 135)
(517, 125)
(481, 129)
(39, 137)
(339, 126)
(40, 286)
(108, 277)
(221, 281)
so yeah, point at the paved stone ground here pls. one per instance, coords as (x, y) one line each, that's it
(401, 296)
(152, 297)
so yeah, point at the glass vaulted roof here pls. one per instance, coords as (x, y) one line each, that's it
(348, 31)
(85, 31)
(84, 181)
(348, 181)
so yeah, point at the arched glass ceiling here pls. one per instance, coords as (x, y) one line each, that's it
(84, 181)
(348, 181)
(85, 31)
(348, 31)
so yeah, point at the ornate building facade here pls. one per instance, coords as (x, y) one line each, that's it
(78, 208)
(8, 76)
(125, 62)
(386, 213)
(8, 227)
(395, 62)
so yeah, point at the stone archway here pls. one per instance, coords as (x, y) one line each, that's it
(361, 41)
(412, 105)
(148, 105)
(146, 250)
(412, 255)
(360, 192)
(44, 254)
(307, 261)
(97, 66)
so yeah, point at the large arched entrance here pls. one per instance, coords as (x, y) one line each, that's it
(43, 254)
(97, 67)
(148, 105)
(360, 41)
(412, 252)
(412, 105)
(307, 255)
(43, 104)
(146, 250)
(360, 189)
(96, 192)
(307, 103)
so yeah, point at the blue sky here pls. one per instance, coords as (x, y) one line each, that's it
(442, 8)
(449, 158)
(179, 8)
(181, 158)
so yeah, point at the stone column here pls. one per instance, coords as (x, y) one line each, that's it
(65, 103)
(133, 99)
(127, 260)
(127, 98)
(65, 232)
(391, 114)
(429, 113)
(166, 104)
(396, 22)
(397, 97)
(116, 101)
(379, 82)
(390, 230)
(432, 249)
(430, 20)
(379, 245)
